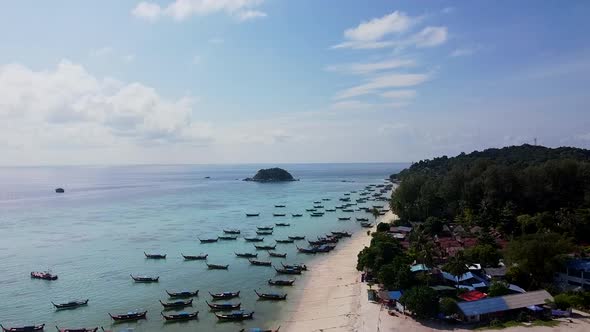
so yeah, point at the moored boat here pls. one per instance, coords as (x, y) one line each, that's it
(144, 278)
(317, 214)
(362, 219)
(154, 256)
(343, 218)
(366, 224)
(217, 266)
(246, 254)
(38, 327)
(280, 206)
(265, 247)
(254, 239)
(224, 295)
(301, 267)
(231, 231)
(264, 228)
(210, 240)
(130, 316)
(45, 275)
(347, 210)
(224, 306)
(342, 234)
(283, 224)
(287, 271)
(194, 257)
(318, 206)
(296, 237)
(277, 254)
(284, 240)
(325, 199)
(310, 210)
(264, 232)
(258, 329)
(70, 304)
(330, 210)
(306, 250)
(228, 237)
(183, 293)
(79, 329)
(297, 215)
(260, 263)
(177, 304)
(252, 214)
(279, 214)
(279, 282)
(235, 315)
(271, 296)
(181, 316)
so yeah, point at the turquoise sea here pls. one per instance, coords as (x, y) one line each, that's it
(94, 236)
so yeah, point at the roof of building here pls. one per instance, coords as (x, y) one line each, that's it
(440, 288)
(504, 303)
(402, 229)
(579, 264)
(419, 268)
(496, 271)
(473, 295)
(395, 295)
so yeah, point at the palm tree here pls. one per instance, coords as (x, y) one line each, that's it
(375, 212)
(457, 265)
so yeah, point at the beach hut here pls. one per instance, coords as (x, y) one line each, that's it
(501, 306)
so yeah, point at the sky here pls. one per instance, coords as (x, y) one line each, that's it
(277, 81)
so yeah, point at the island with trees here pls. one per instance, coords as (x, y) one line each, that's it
(485, 224)
(272, 175)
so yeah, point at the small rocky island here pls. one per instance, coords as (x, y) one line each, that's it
(272, 175)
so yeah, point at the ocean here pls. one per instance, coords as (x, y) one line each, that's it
(94, 236)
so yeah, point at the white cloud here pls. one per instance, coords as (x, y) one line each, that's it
(378, 28)
(377, 83)
(147, 10)
(399, 94)
(430, 36)
(247, 15)
(66, 101)
(371, 67)
(182, 9)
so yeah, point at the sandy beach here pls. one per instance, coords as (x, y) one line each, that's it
(332, 298)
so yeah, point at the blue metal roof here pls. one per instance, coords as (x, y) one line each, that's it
(395, 295)
(503, 303)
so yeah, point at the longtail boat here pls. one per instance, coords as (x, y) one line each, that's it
(265, 247)
(181, 316)
(231, 231)
(177, 304)
(317, 202)
(23, 328)
(235, 315)
(130, 316)
(271, 296)
(283, 224)
(317, 214)
(366, 224)
(318, 206)
(228, 237)
(46, 275)
(310, 210)
(80, 329)
(183, 294)
(343, 218)
(264, 232)
(144, 278)
(297, 215)
(296, 237)
(154, 256)
(302, 267)
(265, 228)
(343, 234)
(362, 219)
(194, 257)
(211, 240)
(306, 250)
(280, 206)
(246, 255)
(224, 295)
(217, 266)
(315, 243)
(224, 306)
(287, 271)
(347, 210)
(285, 241)
(259, 263)
(279, 214)
(279, 282)
(70, 304)
(254, 239)
(252, 214)
(330, 210)
(277, 254)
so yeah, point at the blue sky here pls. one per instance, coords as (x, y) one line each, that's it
(245, 81)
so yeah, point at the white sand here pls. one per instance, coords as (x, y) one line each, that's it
(332, 298)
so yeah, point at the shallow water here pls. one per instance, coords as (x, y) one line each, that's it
(94, 236)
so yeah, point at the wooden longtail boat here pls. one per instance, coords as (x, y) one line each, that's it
(330, 210)
(280, 206)
(236, 315)
(252, 214)
(231, 231)
(224, 306)
(154, 256)
(194, 257)
(264, 228)
(264, 232)
(366, 224)
(297, 215)
(39, 327)
(46, 275)
(283, 224)
(224, 295)
(343, 234)
(130, 316)
(181, 316)
(177, 304)
(254, 239)
(317, 202)
(183, 294)
(246, 255)
(296, 237)
(347, 210)
(217, 266)
(271, 296)
(260, 263)
(70, 305)
(81, 329)
(306, 250)
(144, 278)
(277, 254)
(209, 240)
(343, 218)
(284, 241)
(288, 271)
(310, 210)
(362, 219)
(318, 206)
(279, 282)
(265, 247)
(317, 214)
(279, 214)
(228, 237)
(301, 267)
